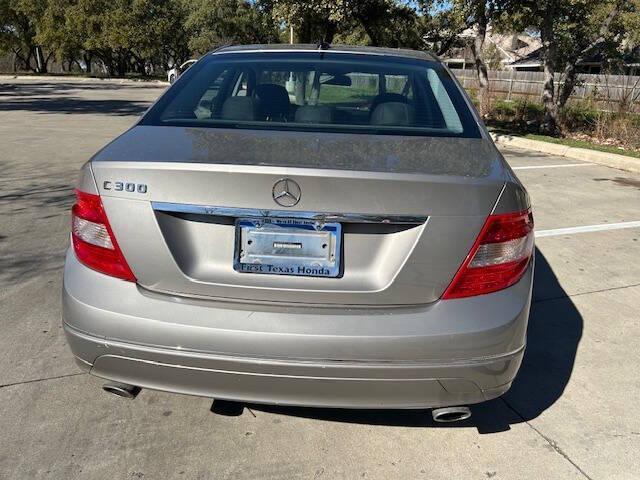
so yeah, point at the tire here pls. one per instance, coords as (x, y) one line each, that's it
(172, 79)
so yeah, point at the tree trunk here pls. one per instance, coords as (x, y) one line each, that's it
(569, 75)
(569, 79)
(476, 48)
(550, 123)
(87, 62)
(46, 61)
(22, 61)
(41, 64)
(300, 85)
(25, 61)
(304, 32)
(121, 67)
(330, 32)
(371, 32)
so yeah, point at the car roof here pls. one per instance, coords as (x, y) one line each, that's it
(356, 49)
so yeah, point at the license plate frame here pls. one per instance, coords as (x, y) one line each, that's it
(287, 246)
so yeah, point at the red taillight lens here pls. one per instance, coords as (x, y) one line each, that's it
(93, 241)
(499, 257)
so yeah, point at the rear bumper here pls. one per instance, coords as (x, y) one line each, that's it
(448, 353)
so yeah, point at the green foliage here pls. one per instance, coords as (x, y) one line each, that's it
(582, 124)
(580, 115)
(571, 31)
(492, 58)
(55, 30)
(389, 23)
(631, 23)
(212, 23)
(503, 109)
(519, 112)
(18, 20)
(141, 35)
(441, 22)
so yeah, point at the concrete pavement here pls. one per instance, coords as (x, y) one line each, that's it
(570, 413)
(613, 160)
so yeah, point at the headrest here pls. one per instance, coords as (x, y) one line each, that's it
(393, 113)
(274, 99)
(314, 114)
(387, 97)
(240, 108)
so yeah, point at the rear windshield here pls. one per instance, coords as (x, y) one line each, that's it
(367, 94)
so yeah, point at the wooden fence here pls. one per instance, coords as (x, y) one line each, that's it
(608, 92)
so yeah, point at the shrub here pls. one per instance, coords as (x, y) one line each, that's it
(473, 95)
(580, 119)
(520, 112)
(529, 112)
(503, 109)
(580, 116)
(618, 128)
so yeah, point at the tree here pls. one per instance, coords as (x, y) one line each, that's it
(480, 13)
(492, 57)
(89, 20)
(570, 31)
(212, 23)
(631, 19)
(142, 28)
(18, 20)
(460, 23)
(54, 30)
(441, 24)
(312, 21)
(389, 23)
(124, 35)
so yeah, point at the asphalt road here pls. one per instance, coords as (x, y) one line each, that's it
(572, 413)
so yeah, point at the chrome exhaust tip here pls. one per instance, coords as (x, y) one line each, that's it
(122, 390)
(450, 414)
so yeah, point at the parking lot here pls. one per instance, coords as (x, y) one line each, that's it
(572, 412)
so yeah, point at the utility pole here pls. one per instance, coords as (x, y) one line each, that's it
(291, 34)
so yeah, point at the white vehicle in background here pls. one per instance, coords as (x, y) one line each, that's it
(175, 72)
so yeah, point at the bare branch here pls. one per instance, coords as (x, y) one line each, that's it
(602, 33)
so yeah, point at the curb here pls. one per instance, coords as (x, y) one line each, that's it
(154, 83)
(613, 160)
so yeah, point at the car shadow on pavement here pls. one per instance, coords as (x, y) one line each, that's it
(69, 104)
(555, 329)
(61, 98)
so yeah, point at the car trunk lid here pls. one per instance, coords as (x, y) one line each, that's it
(409, 208)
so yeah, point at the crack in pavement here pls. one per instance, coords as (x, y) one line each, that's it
(552, 443)
(560, 297)
(35, 380)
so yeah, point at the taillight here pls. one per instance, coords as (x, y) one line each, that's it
(499, 257)
(93, 240)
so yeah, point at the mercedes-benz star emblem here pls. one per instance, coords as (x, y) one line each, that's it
(286, 192)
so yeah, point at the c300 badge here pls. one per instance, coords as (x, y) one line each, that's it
(125, 187)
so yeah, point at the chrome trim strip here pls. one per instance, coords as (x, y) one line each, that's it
(316, 50)
(257, 213)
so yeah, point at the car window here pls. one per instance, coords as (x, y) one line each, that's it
(323, 93)
(360, 92)
(208, 101)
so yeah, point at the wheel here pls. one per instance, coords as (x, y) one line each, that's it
(172, 78)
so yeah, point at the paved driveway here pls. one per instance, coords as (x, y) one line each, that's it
(571, 413)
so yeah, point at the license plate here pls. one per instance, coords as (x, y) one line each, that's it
(280, 246)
